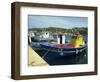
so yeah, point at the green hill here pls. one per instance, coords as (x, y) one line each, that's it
(82, 30)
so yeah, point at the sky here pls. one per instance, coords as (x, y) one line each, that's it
(40, 21)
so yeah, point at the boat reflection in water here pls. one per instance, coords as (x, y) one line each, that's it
(63, 49)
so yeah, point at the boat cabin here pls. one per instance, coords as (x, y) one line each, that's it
(77, 40)
(45, 35)
(60, 38)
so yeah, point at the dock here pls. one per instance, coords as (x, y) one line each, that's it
(34, 59)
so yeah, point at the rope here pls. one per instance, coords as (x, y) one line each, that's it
(45, 54)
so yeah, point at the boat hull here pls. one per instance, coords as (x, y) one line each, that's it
(63, 51)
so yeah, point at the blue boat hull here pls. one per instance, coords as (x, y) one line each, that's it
(63, 51)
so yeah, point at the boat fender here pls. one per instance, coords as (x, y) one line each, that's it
(61, 53)
(77, 51)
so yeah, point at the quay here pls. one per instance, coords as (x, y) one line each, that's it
(34, 59)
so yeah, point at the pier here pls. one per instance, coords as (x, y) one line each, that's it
(34, 59)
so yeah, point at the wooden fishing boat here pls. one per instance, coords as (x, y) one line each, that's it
(75, 47)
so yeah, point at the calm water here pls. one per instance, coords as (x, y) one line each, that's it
(81, 58)
(64, 60)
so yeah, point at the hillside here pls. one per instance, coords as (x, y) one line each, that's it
(82, 30)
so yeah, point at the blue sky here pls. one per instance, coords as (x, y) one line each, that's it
(36, 21)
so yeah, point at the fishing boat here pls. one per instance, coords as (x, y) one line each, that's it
(63, 48)
(45, 36)
(40, 37)
(35, 38)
